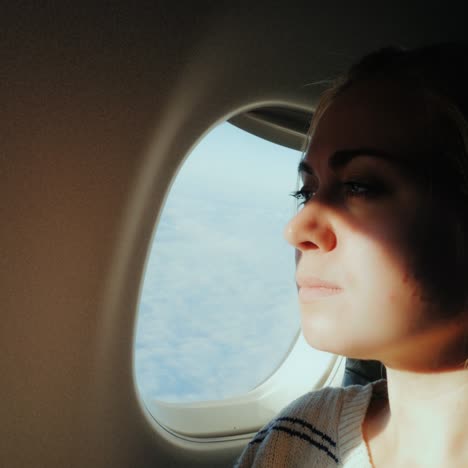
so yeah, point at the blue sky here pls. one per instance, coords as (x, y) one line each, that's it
(218, 310)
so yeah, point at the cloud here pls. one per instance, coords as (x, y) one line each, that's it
(218, 310)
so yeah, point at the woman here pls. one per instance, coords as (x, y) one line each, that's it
(381, 245)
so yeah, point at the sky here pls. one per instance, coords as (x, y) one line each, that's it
(218, 310)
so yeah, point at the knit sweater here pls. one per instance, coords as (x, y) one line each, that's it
(320, 429)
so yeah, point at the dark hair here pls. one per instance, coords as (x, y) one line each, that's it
(438, 74)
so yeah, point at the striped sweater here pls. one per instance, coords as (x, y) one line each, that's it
(320, 429)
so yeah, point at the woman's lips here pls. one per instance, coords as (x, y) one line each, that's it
(307, 294)
(311, 289)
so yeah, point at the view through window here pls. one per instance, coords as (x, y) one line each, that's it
(218, 311)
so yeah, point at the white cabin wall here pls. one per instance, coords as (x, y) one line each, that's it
(98, 106)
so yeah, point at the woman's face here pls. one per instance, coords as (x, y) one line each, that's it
(375, 249)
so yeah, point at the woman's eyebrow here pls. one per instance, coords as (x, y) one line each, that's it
(341, 158)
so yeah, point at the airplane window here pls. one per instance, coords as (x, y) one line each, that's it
(218, 311)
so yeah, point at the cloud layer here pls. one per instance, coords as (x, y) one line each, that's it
(218, 310)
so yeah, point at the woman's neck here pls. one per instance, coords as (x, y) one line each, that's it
(424, 422)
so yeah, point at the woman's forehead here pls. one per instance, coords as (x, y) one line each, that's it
(384, 115)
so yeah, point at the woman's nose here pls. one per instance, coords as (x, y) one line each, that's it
(310, 229)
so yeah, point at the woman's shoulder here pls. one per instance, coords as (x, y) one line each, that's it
(311, 406)
(306, 432)
(326, 407)
(301, 428)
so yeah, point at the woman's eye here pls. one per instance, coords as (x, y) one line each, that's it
(360, 189)
(303, 195)
(356, 188)
(349, 188)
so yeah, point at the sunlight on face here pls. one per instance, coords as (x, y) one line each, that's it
(376, 260)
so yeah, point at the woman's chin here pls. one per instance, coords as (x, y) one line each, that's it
(323, 331)
(323, 341)
(329, 340)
